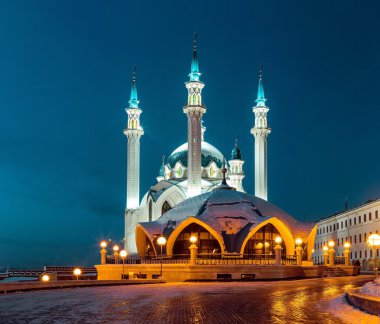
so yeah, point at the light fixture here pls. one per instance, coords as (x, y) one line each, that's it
(161, 240)
(123, 254)
(77, 272)
(45, 278)
(325, 248)
(331, 244)
(278, 239)
(347, 245)
(103, 244)
(373, 241)
(193, 239)
(116, 248)
(298, 241)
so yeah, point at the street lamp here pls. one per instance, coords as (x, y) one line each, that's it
(298, 241)
(77, 272)
(116, 253)
(161, 242)
(278, 239)
(299, 250)
(373, 241)
(331, 244)
(331, 252)
(123, 255)
(103, 252)
(325, 255)
(277, 250)
(45, 278)
(193, 239)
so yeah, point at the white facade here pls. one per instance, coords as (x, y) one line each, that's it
(353, 226)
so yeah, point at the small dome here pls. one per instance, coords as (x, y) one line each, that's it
(209, 154)
(236, 154)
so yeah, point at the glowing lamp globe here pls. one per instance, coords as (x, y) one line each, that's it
(116, 248)
(77, 272)
(373, 241)
(331, 244)
(45, 278)
(193, 239)
(103, 244)
(298, 241)
(161, 240)
(266, 244)
(325, 248)
(278, 239)
(123, 253)
(347, 245)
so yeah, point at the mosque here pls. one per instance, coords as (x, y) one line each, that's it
(199, 193)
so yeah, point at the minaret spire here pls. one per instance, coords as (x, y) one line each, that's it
(261, 131)
(194, 111)
(133, 131)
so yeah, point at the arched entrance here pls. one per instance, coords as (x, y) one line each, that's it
(206, 242)
(262, 242)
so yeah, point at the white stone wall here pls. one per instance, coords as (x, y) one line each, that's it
(354, 226)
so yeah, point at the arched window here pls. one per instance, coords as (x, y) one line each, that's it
(262, 242)
(150, 210)
(207, 243)
(165, 207)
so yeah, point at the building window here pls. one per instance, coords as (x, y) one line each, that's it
(360, 219)
(355, 239)
(376, 214)
(334, 228)
(350, 222)
(360, 238)
(369, 217)
(360, 254)
(337, 226)
(354, 220)
(365, 218)
(365, 236)
(370, 253)
(342, 240)
(356, 255)
(351, 240)
(165, 207)
(345, 223)
(365, 253)
(330, 228)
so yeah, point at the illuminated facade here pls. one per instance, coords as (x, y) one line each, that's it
(195, 167)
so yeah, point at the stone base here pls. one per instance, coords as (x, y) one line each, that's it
(185, 272)
(370, 304)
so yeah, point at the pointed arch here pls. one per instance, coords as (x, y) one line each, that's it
(190, 220)
(141, 238)
(282, 229)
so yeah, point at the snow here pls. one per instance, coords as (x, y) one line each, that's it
(371, 288)
(340, 308)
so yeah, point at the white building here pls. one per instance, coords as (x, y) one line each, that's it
(354, 226)
(194, 167)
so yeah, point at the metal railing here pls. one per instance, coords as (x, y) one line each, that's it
(339, 260)
(208, 259)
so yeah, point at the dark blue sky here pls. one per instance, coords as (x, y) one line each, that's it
(65, 73)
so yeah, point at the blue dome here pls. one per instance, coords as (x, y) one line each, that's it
(209, 154)
(235, 154)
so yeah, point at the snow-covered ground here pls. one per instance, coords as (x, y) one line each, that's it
(371, 288)
(340, 308)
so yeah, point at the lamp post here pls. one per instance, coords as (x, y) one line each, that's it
(116, 253)
(277, 250)
(77, 272)
(103, 252)
(347, 253)
(123, 255)
(325, 255)
(331, 251)
(373, 242)
(299, 250)
(161, 242)
(193, 250)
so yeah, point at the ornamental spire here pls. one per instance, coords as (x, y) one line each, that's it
(133, 101)
(195, 74)
(260, 91)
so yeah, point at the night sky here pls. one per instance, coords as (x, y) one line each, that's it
(65, 75)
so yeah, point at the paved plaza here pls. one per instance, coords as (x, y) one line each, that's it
(298, 301)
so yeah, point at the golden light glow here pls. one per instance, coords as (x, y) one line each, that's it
(325, 248)
(278, 239)
(331, 244)
(103, 244)
(266, 244)
(298, 241)
(193, 239)
(77, 272)
(259, 245)
(45, 278)
(161, 240)
(373, 241)
(123, 254)
(116, 248)
(347, 245)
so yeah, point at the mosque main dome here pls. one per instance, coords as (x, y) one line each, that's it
(209, 153)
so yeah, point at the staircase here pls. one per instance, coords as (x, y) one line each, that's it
(334, 272)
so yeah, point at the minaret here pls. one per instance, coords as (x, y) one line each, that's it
(133, 132)
(194, 111)
(261, 131)
(236, 173)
